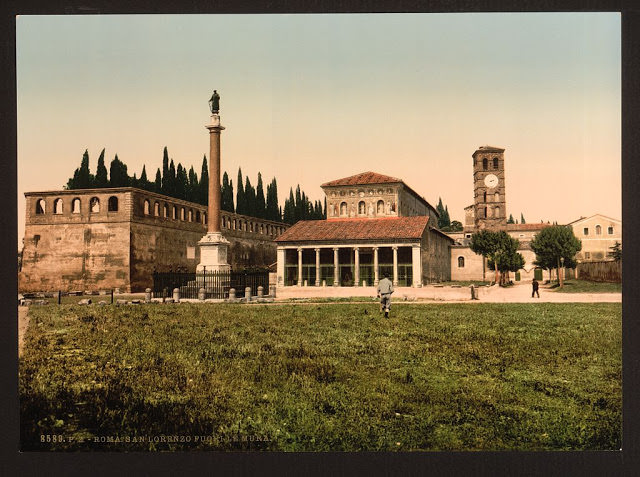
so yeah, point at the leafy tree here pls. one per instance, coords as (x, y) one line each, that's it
(456, 226)
(522, 218)
(499, 248)
(616, 251)
(510, 220)
(555, 244)
(101, 180)
(118, 176)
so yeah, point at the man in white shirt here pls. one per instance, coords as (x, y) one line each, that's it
(385, 289)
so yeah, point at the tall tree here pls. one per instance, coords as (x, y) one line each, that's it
(157, 185)
(510, 220)
(273, 212)
(260, 202)
(226, 194)
(289, 214)
(240, 203)
(192, 189)
(522, 218)
(82, 177)
(118, 176)
(182, 182)
(165, 171)
(297, 205)
(249, 198)
(144, 181)
(616, 251)
(555, 245)
(101, 179)
(204, 183)
(498, 248)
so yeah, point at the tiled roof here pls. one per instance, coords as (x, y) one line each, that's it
(362, 179)
(356, 229)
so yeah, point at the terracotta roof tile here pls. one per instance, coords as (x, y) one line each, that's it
(356, 229)
(362, 179)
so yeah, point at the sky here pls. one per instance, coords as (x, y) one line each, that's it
(312, 98)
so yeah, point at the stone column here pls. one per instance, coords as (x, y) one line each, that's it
(376, 272)
(281, 255)
(416, 265)
(317, 250)
(336, 276)
(213, 246)
(299, 266)
(395, 265)
(356, 272)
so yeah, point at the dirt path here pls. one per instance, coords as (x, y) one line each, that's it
(23, 322)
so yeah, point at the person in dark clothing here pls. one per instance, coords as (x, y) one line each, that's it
(534, 290)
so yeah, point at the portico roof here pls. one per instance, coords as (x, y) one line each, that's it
(340, 230)
(364, 178)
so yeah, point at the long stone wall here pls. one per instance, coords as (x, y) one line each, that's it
(115, 238)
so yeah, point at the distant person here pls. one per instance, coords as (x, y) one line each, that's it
(385, 289)
(535, 286)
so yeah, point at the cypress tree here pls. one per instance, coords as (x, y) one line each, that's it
(101, 180)
(261, 211)
(172, 180)
(240, 203)
(85, 178)
(204, 183)
(165, 172)
(297, 205)
(225, 194)
(249, 198)
(133, 182)
(182, 182)
(280, 213)
(289, 214)
(118, 176)
(510, 219)
(157, 186)
(192, 190)
(324, 214)
(273, 211)
(144, 181)
(522, 218)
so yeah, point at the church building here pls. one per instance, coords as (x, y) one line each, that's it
(375, 224)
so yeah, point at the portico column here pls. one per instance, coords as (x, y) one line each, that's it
(416, 265)
(376, 273)
(299, 266)
(356, 272)
(395, 265)
(280, 266)
(336, 277)
(317, 267)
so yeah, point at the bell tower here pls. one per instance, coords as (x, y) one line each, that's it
(490, 205)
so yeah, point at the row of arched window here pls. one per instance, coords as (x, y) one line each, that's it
(362, 208)
(496, 197)
(244, 225)
(485, 163)
(491, 212)
(585, 231)
(166, 211)
(59, 205)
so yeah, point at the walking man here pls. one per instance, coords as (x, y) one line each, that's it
(534, 291)
(385, 289)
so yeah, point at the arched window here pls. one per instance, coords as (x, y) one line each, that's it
(485, 164)
(174, 213)
(41, 206)
(94, 205)
(197, 216)
(190, 215)
(495, 162)
(75, 206)
(362, 208)
(343, 209)
(156, 209)
(57, 206)
(460, 262)
(598, 230)
(147, 207)
(380, 207)
(165, 211)
(486, 212)
(181, 213)
(484, 196)
(112, 205)
(496, 211)
(496, 197)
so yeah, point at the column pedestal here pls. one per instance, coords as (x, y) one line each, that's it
(213, 253)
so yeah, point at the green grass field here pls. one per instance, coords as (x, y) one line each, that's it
(322, 377)
(584, 286)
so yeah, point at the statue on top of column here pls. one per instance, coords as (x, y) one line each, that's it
(214, 102)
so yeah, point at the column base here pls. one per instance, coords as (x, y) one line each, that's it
(213, 253)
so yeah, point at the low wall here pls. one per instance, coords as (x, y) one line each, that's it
(429, 292)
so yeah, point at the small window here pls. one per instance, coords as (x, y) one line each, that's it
(343, 209)
(57, 206)
(156, 209)
(467, 235)
(380, 207)
(197, 216)
(587, 255)
(75, 206)
(585, 231)
(362, 208)
(147, 207)
(182, 213)
(113, 204)
(165, 211)
(496, 211)
(496, 197)
(94, 205)
(486, 212)
(610, 230)
(174, 213)
(484, 196)
(495, 162)
(598, 230)
(190, 215)
(460, 262)
(485, 164)
(41, 206)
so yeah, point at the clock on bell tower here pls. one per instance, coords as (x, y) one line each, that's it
(490, 206)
